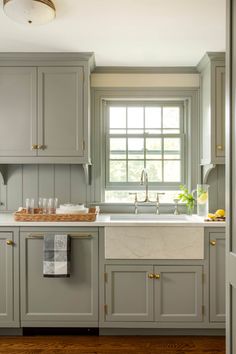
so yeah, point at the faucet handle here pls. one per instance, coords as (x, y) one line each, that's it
(135, 196)
(158, 194)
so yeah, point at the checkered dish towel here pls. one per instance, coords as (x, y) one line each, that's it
(57, 250)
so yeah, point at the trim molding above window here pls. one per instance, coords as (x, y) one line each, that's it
(108, 139)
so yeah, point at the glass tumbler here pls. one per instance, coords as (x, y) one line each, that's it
(52, 205)
(29, 203)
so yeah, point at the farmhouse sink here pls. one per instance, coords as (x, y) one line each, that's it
(153, 217)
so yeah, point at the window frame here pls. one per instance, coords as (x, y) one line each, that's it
(116, 186)
(99, 94)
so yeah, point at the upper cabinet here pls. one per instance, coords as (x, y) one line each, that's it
(212, 87)
(44, 108)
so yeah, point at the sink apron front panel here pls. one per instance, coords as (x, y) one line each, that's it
(154, 243)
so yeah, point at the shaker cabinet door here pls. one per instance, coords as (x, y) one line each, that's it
(129, 293)
(178, 293)
(9, 280)
(220, 111)
(60, 302)
(217, 276)
(18, 116)
(60, 111)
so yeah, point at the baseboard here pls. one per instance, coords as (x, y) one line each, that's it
(161, 332)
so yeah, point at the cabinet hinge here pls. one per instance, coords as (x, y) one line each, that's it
(203, 309)
(83, 145)
(105, 277)
(105, 309)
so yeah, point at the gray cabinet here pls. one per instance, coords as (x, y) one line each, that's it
(212, 87)
(45, 108)
(18, 111)
(153, 293)
(60, 111)
(58, 302)
(9, 279)
(178, 293)
(217, 276)
(129, 293)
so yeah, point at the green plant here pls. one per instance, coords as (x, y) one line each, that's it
(187, 198)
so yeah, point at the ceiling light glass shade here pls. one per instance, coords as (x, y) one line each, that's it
(35, 12)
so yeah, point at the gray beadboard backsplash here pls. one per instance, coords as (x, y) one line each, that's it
(67, 182)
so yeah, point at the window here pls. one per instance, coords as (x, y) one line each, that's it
(140, 135)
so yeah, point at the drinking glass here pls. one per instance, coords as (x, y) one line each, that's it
(52, 205)
(45, 205)
(29, 203)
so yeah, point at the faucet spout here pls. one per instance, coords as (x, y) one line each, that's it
(144, 181)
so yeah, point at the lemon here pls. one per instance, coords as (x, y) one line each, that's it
(202, 199)
(211, 216)
(220, 213)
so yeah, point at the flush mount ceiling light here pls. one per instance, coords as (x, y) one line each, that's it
(35, 12)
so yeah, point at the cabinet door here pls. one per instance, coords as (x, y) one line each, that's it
(17, 111)
(220, 112)
(60, 301)
(129, 293)
(178, 293)
(217, 277)
(60, 111)
(9, 280)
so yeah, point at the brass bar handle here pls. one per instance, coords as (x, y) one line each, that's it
(40, 147)
(34, 147)
(151, 276)
(213, 242)
(39, 236)
(10, 242)
(157, 276)
(219, 147)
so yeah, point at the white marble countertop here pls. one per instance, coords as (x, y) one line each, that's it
(105, 220)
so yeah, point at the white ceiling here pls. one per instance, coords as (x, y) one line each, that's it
(125, 32)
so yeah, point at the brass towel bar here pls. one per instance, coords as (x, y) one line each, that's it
(30, 236)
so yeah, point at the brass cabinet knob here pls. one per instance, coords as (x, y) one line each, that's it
(10, 242)
(151, 276)
(219, 147)
(213, 242)
(40, 147)
(157, 276)
(34, 147)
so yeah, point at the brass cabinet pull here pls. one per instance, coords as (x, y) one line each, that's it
(157, 276)
(40, 147)
(213, 242)
(35, 236)
(151, 276)
(34, 147)
(10, 242)
(219, 147)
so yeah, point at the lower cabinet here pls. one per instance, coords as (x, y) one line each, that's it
(9, 279)
(217, 276)
(153, 293)
(55, 302)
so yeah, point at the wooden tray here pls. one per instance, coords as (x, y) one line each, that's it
(39, 216)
